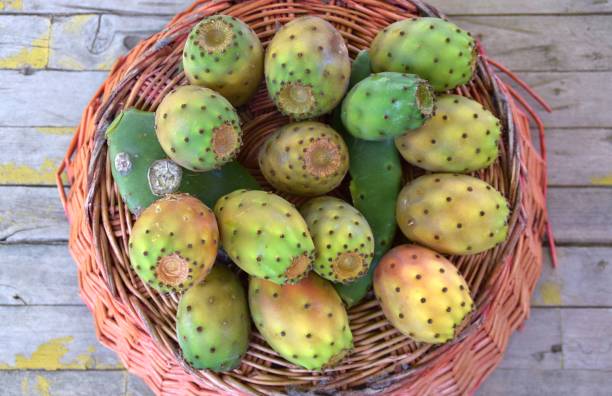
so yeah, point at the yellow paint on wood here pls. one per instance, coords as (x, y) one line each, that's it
(11, 5)
(59, 131)
(76, 23)
(602, 181)
(48, 356)
(11, 173)
(35, 56)
(42, 386)
(550, 293)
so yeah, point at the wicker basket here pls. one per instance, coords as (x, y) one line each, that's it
(138, 323)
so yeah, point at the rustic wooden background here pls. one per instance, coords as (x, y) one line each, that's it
(53, 55)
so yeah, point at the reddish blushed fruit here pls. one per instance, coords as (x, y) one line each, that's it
(174, 242)
(305, 323)
(421, 293)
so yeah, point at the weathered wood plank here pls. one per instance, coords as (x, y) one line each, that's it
(578, 215)
(137, 387)
(31, 155)
(579, 157)
(134, 7)
(545, 43)
(168, 7)
(578, 99)
(30, 214)
(25, 41)
(587, 338)
(37, 275)
(52, 338)
(42, 149)
(46, 98)
(582, 279)
(529, 382)
(62, 383)
(581, 215)
(483, 7)
(538, 344)
(94, 42)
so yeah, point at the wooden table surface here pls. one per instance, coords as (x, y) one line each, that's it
(53, 55)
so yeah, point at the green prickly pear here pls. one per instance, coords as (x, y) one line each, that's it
(224, 54)
(305, 323)
(198, 128)
(432, 48)
(307, 68)
(386, 105)
(265, 235)
(421, 293)
(173, 243)
(451, 213)
(143, 172)
(374, 188)
(344, 244)
(461, 137)
(304, 158)
(212, 322)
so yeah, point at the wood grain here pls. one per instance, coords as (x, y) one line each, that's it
(529, 382)
(37, 275)
(61, 338)
(582, 279)
(46, 98)
(94, 42)
(63, 383)
(581, 215)
(31, 214)
(579, 157)
(32, 155)
(587, 338)
(544, 43)
(25, 41)
(169, 7)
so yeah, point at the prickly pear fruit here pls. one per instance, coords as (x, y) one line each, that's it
(143, 172)
(305, 323)
(461, 137)
(386, 105)
(374, 187)
(265, 235)
(224, 54)
(421, 293)
(174, 243)
(212, 322)
(198, 128)
(454, 214)
(304, 158)
(433, 48)
(344, 244)
(307, 68)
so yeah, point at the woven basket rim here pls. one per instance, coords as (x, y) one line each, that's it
(99, 223)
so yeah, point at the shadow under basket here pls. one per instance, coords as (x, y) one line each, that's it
(139, 323)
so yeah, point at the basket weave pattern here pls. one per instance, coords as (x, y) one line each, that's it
(138, 322)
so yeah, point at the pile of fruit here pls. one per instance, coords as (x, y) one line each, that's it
(202, 218)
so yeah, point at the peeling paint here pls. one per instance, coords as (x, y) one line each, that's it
(58, 131)
(602, 181)
(550, 293)
(76, 23)
(12, 173)
(36, 55)
(11, 5)
(48, 356)
(42, 386)
(25, 386)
